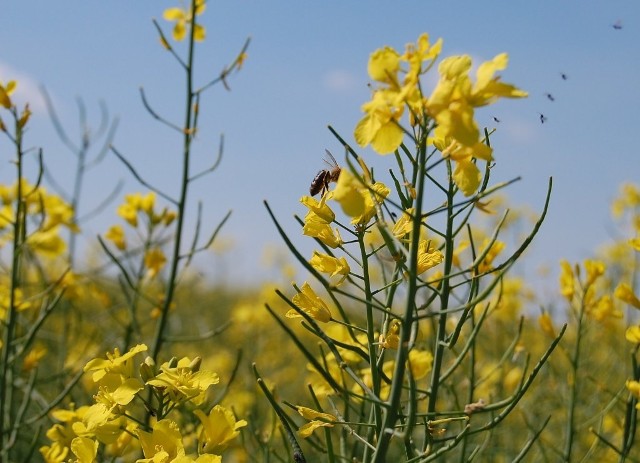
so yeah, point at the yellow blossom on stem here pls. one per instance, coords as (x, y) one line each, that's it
(325, 263)
(5, 93)
(633, 334)
(594, 269)
(546, 324)
(184, 18)
(84, 449)
(219, 428)
(319, 208)
(634, 389)
(420, 362)
(163, 444)
(357, 200)
(308, 301)
(567, 280)
(427, 256)
(182, 383)
(318, 420)
(315, 227)
(495, 249)
(114, 363)
(392, 339)
(154, 260)
(604, 309)
(625, 293)
(404, 224)
(116, 235)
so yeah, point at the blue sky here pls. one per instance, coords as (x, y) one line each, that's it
(307, 69)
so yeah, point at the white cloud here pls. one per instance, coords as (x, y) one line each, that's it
(27, 91)
(339, 80)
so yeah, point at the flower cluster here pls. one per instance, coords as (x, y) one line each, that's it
(110, 420)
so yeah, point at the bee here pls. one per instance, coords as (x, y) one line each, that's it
(320, 183)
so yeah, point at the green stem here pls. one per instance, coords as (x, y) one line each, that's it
(444, 299)
(573, 386)
(158, 338)
(6, 371)
(391, 412)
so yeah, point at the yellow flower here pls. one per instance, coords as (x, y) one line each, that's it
(310, 303)
(467, 177)
(324, 263)
(317, 222)
(182, 383)
(32, 359)
(116, 235)
(319, 208)
(428, 257)
(604, 309)
(567, 280)
(420, 362)
(380, 127)
(47, 242)
(5, 93)
(487, 263)
(633, 334)
(163, 444)
(634, 389)
(356, 200)
(129, 213)
(84, 449)
(184, 18)
(594, 269)
(384, 65)
(416, 54)
(391, 339)
(318, 419)
(625, 293)
(404, 225)
(219, 428)
(546, 324)
(114, 363)
(315, 227)
(154, 260)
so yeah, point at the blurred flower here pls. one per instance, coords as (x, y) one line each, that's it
(184, 18)
(308, 301)
(420, 362)
(633, 334)
(5, 92)
(219, 428)
(594, 269)
(486, 264)
(567, 280)
(634, 389)
(154, 260)
(625, 293)
(546, 324)
(604, 309)
(116, 235)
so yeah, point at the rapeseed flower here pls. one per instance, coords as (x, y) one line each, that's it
(325, 263)
(219, 428)
(184, 18)
(309, 302)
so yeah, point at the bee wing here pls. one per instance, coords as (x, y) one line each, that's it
(333, 163)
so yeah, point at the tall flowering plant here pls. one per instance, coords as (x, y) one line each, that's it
(403, 282)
